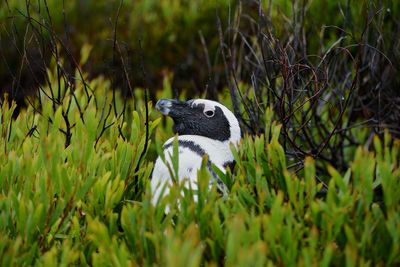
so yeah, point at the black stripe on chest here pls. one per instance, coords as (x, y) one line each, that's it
(198, 150)
(190, 145)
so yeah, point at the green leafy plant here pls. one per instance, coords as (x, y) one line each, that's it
(76, 204)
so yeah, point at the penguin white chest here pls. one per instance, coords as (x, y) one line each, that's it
(191, 150)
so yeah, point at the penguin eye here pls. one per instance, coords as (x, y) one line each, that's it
(209, 113)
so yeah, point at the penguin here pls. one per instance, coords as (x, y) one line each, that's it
(204, 127)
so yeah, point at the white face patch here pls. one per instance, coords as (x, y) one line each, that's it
(210, 105)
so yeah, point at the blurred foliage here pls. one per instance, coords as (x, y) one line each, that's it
(178, 37)
(90, 203)
(168, 31)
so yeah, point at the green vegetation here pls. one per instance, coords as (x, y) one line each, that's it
(89, 203)
(314, 85)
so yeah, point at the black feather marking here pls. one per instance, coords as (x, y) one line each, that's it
(192, 121)
(229, 164)
(189, 144)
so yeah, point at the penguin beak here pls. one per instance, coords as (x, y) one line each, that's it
(172, 107)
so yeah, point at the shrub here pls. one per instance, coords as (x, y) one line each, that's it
(74, 189)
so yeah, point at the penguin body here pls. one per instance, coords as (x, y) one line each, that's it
(204, 127)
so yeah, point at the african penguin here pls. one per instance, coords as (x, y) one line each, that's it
(203, 127)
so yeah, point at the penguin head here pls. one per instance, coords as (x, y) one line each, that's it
(201, 117)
